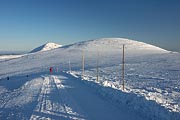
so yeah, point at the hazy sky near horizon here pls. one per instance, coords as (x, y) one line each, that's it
(26, 24)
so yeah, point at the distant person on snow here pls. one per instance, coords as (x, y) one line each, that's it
(51, 70)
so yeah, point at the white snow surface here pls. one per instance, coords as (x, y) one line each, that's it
(152, 80)
(7, 57)
(109, 44)
(45, 47)
(114, 46)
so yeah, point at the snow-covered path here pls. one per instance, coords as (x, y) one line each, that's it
(54, 102)
(64, 97)
(60, 97)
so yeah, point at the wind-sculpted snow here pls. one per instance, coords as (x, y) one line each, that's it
(153, 78)
(148, 110)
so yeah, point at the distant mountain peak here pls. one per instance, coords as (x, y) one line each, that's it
(46, 47)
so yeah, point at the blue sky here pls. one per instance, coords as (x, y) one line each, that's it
(26, 24)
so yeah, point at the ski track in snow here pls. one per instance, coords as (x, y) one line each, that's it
(53, 103)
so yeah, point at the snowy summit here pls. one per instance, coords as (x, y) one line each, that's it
(115, 44)
(45, 47)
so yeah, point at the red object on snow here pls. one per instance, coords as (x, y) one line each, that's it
(51, 70)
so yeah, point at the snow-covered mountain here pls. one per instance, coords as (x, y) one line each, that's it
(109, 50)
(151, 82)
(45, 47)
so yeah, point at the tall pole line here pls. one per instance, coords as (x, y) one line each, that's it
(97, 67)
(83, 64)
(123, 68)
(69, 66)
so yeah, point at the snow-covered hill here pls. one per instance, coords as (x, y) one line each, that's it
(109, 50)
(113, 44)
(45, 47)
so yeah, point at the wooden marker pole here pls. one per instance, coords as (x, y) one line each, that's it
(69, 66)
(123, 69)
(97, 67)
(83, 64)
